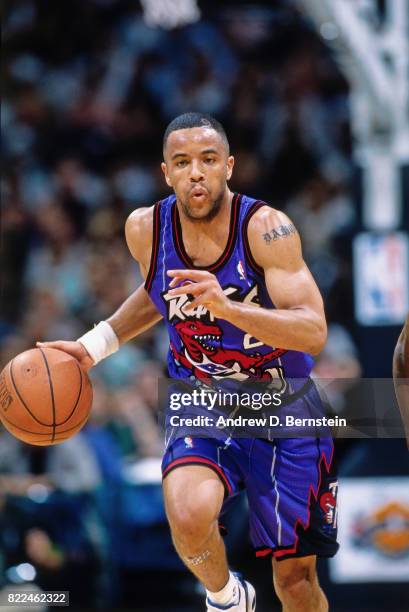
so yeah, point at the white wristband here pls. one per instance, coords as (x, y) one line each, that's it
(100, 342)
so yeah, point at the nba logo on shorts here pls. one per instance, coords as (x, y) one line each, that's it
(188, 442)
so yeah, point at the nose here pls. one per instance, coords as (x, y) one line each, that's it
(196, 172)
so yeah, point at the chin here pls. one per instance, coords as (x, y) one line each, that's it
(200, 212)
(203, 215)
(205, 211)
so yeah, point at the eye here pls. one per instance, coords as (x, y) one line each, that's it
(182, 163)
(193, 326)
(210, 160)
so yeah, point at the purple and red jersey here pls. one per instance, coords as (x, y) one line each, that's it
(200, 344)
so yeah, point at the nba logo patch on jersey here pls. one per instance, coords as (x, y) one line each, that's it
(241, 271)
(188, 442)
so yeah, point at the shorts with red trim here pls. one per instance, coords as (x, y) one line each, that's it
(291, 487)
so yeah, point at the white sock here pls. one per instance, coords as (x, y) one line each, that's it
(228, 594)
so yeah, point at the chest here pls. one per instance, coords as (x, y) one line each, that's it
(204, 250)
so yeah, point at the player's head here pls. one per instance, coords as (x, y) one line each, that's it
(197, 163)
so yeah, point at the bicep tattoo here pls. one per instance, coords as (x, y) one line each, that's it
(282, 231)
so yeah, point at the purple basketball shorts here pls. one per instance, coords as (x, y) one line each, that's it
(290, 483)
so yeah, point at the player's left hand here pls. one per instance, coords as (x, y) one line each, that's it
(204, 287)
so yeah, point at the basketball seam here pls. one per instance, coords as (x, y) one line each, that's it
(45, 433)
(78, 398)
(23, 402)
(50, 382)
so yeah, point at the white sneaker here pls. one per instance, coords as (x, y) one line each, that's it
(246, 602)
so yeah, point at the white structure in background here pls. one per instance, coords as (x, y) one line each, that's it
(373, 52)
(372, 49)
(169, 14)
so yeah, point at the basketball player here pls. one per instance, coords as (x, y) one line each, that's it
(226, 273)
(401, 375)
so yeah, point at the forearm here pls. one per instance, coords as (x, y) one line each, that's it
(295, 329)
(134, 316)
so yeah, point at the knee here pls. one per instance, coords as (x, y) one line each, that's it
(296, 584)
(193, 499)
(191, 522)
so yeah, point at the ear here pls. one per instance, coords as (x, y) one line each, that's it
(165, 172)
(230, 165)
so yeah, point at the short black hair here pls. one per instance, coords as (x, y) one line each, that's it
(191, 120)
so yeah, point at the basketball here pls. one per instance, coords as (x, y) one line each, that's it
(45, 396)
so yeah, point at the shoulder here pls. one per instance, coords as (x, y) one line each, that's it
(267, 217)
(138, 232)
(273, 238)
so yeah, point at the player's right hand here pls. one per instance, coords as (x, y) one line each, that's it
(75, 349)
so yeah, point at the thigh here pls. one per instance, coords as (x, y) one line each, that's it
(200, 475)
(206, 452)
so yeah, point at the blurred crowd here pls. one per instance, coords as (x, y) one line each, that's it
(88, 89)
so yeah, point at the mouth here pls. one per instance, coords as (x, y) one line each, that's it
(209, 342)
(198, 193)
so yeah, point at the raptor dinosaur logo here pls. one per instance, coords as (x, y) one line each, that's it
(203, 353)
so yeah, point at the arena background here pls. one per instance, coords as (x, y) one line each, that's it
(88, 88)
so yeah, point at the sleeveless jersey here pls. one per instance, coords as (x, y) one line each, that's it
(201, 345)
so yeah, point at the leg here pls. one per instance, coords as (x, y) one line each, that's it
(296, 585)
(193, 500)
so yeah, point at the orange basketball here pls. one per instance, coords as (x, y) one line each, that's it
(45, 396)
